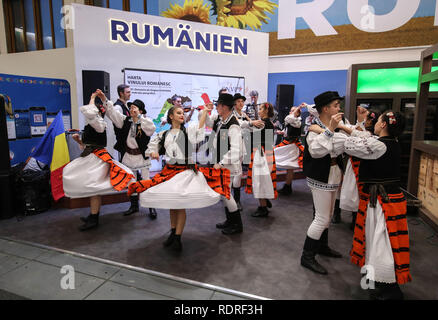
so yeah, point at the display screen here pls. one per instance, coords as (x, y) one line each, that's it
(391, 80)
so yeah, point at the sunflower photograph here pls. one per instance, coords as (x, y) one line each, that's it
(240, 14)
(192, 10)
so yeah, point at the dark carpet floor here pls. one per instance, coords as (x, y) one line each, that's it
(264, 260)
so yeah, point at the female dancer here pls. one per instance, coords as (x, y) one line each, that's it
(381, 238)
(181, 184)
(94, 173)
(264, 187)
(289, 153)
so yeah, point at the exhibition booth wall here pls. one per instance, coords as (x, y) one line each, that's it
(111, 40)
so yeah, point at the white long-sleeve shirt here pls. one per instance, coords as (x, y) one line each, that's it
(93, 118)
(232, 159)
(173, 150)
(293, 121)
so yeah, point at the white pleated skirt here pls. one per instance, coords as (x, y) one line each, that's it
(286, 157)
(89, 176)
(186, 190)
(349, 199)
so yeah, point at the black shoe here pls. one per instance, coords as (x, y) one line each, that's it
(324, 248)
(152, 213)
(226, 223)
(170, 239)
(91, 223)
(286, 190)
(268, 203)
(176, 244)
(260, 212)
(353, 220)
(84, 219)
(235, 225)
(134, 206)
(239, 205)
(308, 261)
(386, 291)
(337, 213)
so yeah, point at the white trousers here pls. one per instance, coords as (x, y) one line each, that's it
(237, 181)
(231, 203)
(324, 202)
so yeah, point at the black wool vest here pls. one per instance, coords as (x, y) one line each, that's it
(222, 138)
(141, 138)
(182, 142)
(292, 133)
(318, 168)
(92, 137)
(384, 170)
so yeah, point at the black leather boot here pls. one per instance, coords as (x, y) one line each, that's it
(134, 205)
(236, 196)
(324, 249)
(170, 239)
(286, 190)
(152, 213)
(176, 244)
(91, 223)
(227, 222)
(260, 212)
(337, 213)
(311, 248)
(236, 224)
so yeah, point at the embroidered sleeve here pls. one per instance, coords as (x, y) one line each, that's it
(365, 148)
(116, 117)
(147, 125)
(363, 134)
(293, 121)
(91, 114)
(195, 134)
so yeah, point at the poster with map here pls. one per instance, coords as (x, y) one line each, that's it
(156, 88)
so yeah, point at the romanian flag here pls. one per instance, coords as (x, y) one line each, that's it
(52, 150)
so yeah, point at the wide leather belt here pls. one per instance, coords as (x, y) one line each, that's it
(134, 152)
(333, 162)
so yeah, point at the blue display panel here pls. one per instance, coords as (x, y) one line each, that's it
(30, 104)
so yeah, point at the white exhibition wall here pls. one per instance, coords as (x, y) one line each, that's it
(230, 52)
